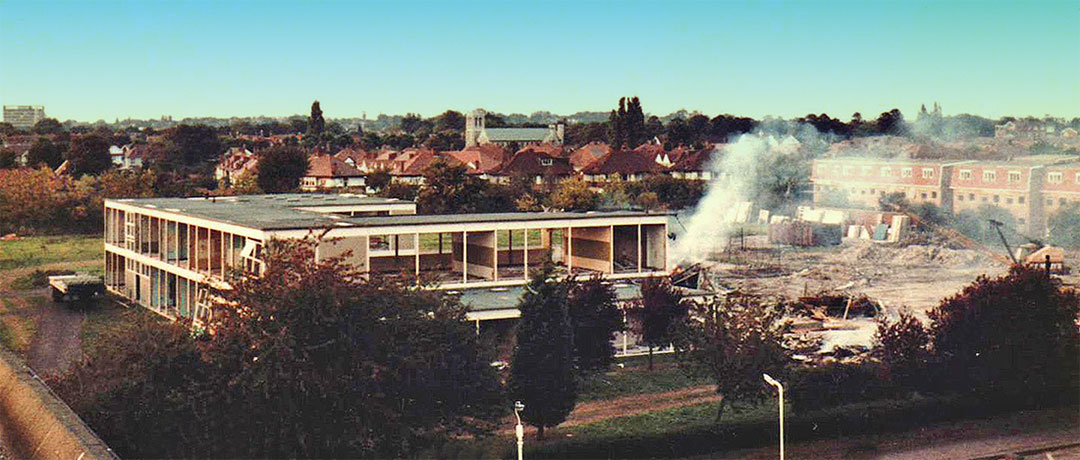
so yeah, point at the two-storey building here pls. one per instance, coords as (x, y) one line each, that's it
(1061, 186)
(1013, 186)
(862, 181)
(165, 253)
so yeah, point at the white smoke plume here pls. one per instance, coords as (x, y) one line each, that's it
(738, 172)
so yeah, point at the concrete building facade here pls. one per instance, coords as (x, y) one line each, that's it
(1061, 187)
(1016, 187)
(862, 181)
(165, 253)
(23, 116)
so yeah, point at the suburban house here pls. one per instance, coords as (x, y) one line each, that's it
(165, 254)
(476, 133)
(621, 165)
(693, 165)
(328, 172)
(355, 158)
(235, 162)
(540, 167)
(479, 160)
(588, 154)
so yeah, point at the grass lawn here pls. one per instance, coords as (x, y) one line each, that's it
(38, 250)
(636, 378)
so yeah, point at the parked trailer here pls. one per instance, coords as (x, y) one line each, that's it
(75, 287)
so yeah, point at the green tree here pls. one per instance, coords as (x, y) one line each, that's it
(44, 151)
(280, 169)
(89, 154)
(448, 189)
(1064, 226)
(446, 140)
(316, 124)
(737, 340)
(309, 360)
(542, 368)
(626, 124)
(450, 121)
(574, 195)
(8, 159)
(595, 317)
(378, 180)
(891, 123)
(190, 146)
(1011, 339)
(661, 314)
(48, 126)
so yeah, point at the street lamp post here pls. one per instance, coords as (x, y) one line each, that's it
(780, 387)
(519, 430)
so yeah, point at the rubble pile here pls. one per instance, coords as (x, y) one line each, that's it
(914, 255)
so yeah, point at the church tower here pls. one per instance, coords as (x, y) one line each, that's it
(474, 125)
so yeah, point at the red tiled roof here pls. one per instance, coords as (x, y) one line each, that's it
(328, 166)
(588, 154)
(532, 163)
(697, 160)
(357, 155)
(480, 159)
(550, 149)
(622, 162)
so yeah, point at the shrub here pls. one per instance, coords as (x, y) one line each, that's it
(1011, 339)
(903, 348)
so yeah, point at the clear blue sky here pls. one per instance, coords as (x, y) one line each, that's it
(91, 60)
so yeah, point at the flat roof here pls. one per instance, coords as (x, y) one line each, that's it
(292, 212)
(486, 299)
(874, 160)
(263, 211)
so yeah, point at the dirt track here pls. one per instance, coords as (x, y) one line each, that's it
(58, 340)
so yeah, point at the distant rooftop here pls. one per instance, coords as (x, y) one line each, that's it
(299, 211)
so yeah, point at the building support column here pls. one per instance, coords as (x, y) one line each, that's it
(639, 250)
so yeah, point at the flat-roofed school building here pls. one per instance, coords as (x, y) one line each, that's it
(164, 253)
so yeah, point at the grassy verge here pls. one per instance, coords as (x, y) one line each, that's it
(38, 250)
(691, 431)
(17, 323)
(635, 378)
(108, 317)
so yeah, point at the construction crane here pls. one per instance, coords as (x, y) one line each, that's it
(1008, 250)
(954, 236)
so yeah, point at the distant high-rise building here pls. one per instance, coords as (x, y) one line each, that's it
(23, 116)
